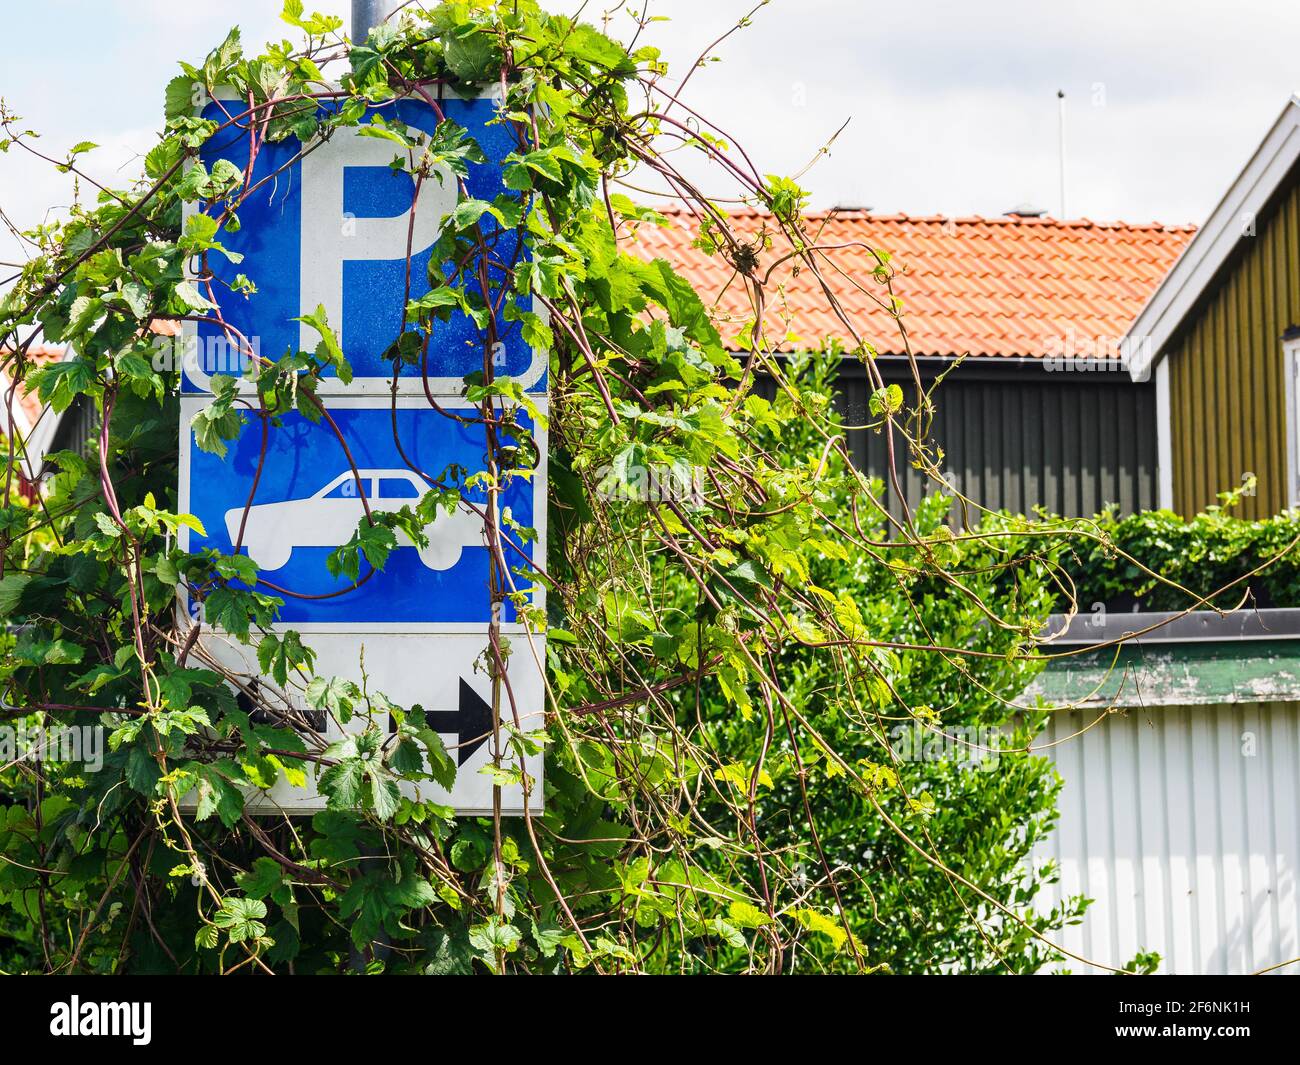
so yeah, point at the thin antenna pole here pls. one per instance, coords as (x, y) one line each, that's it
(1060, 100)
(366, 15)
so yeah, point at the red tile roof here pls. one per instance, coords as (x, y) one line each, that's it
(1007, 286)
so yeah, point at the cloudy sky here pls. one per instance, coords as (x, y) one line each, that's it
(952, 104)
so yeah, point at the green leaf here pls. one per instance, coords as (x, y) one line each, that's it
(372, 539)
(746, 915)
(471, 56)
(887, 400)
(180, 95)
(442, 766)
(328, 350)
(468, 212)
(727, 932)
(217, 795)
(495, 935)
(829, 927)
(342, 784)
(222, 57)
(588, 44)
(677, 296)
(137, 299)
(333, 694)
(214, 425)
(406, 759)
(188, 295)
(384, 796)
(59, 383)
(241, 918)
(265, 876)
(200, 228)
(11, 591)
(281, 656)
(142, 772)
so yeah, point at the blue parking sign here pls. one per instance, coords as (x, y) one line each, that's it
(307, 501)
(332, 229)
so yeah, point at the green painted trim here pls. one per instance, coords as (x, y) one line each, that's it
(1190, 674)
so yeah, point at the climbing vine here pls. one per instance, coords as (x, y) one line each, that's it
(741, 638)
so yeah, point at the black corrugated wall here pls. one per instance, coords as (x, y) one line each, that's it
(1017, 436)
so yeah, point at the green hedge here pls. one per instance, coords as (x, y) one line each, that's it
(1202, 555)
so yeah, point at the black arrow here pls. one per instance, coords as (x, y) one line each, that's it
(471, 724)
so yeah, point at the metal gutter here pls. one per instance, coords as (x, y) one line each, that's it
(1199, 626)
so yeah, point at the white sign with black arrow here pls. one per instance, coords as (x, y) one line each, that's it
(445, 677)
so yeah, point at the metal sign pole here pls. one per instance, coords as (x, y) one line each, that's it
(367, 14)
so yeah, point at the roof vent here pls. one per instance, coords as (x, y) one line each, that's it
(1026, 210)
(865, 208)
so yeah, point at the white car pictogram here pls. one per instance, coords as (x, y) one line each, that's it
(330, 516)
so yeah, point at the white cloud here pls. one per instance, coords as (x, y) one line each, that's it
(952, 104)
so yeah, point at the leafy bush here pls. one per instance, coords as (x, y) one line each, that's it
(1157, 560)
(985, 809)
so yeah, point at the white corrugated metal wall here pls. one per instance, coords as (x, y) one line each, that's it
(1182, 823)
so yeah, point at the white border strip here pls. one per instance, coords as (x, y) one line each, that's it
(1164, 439)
